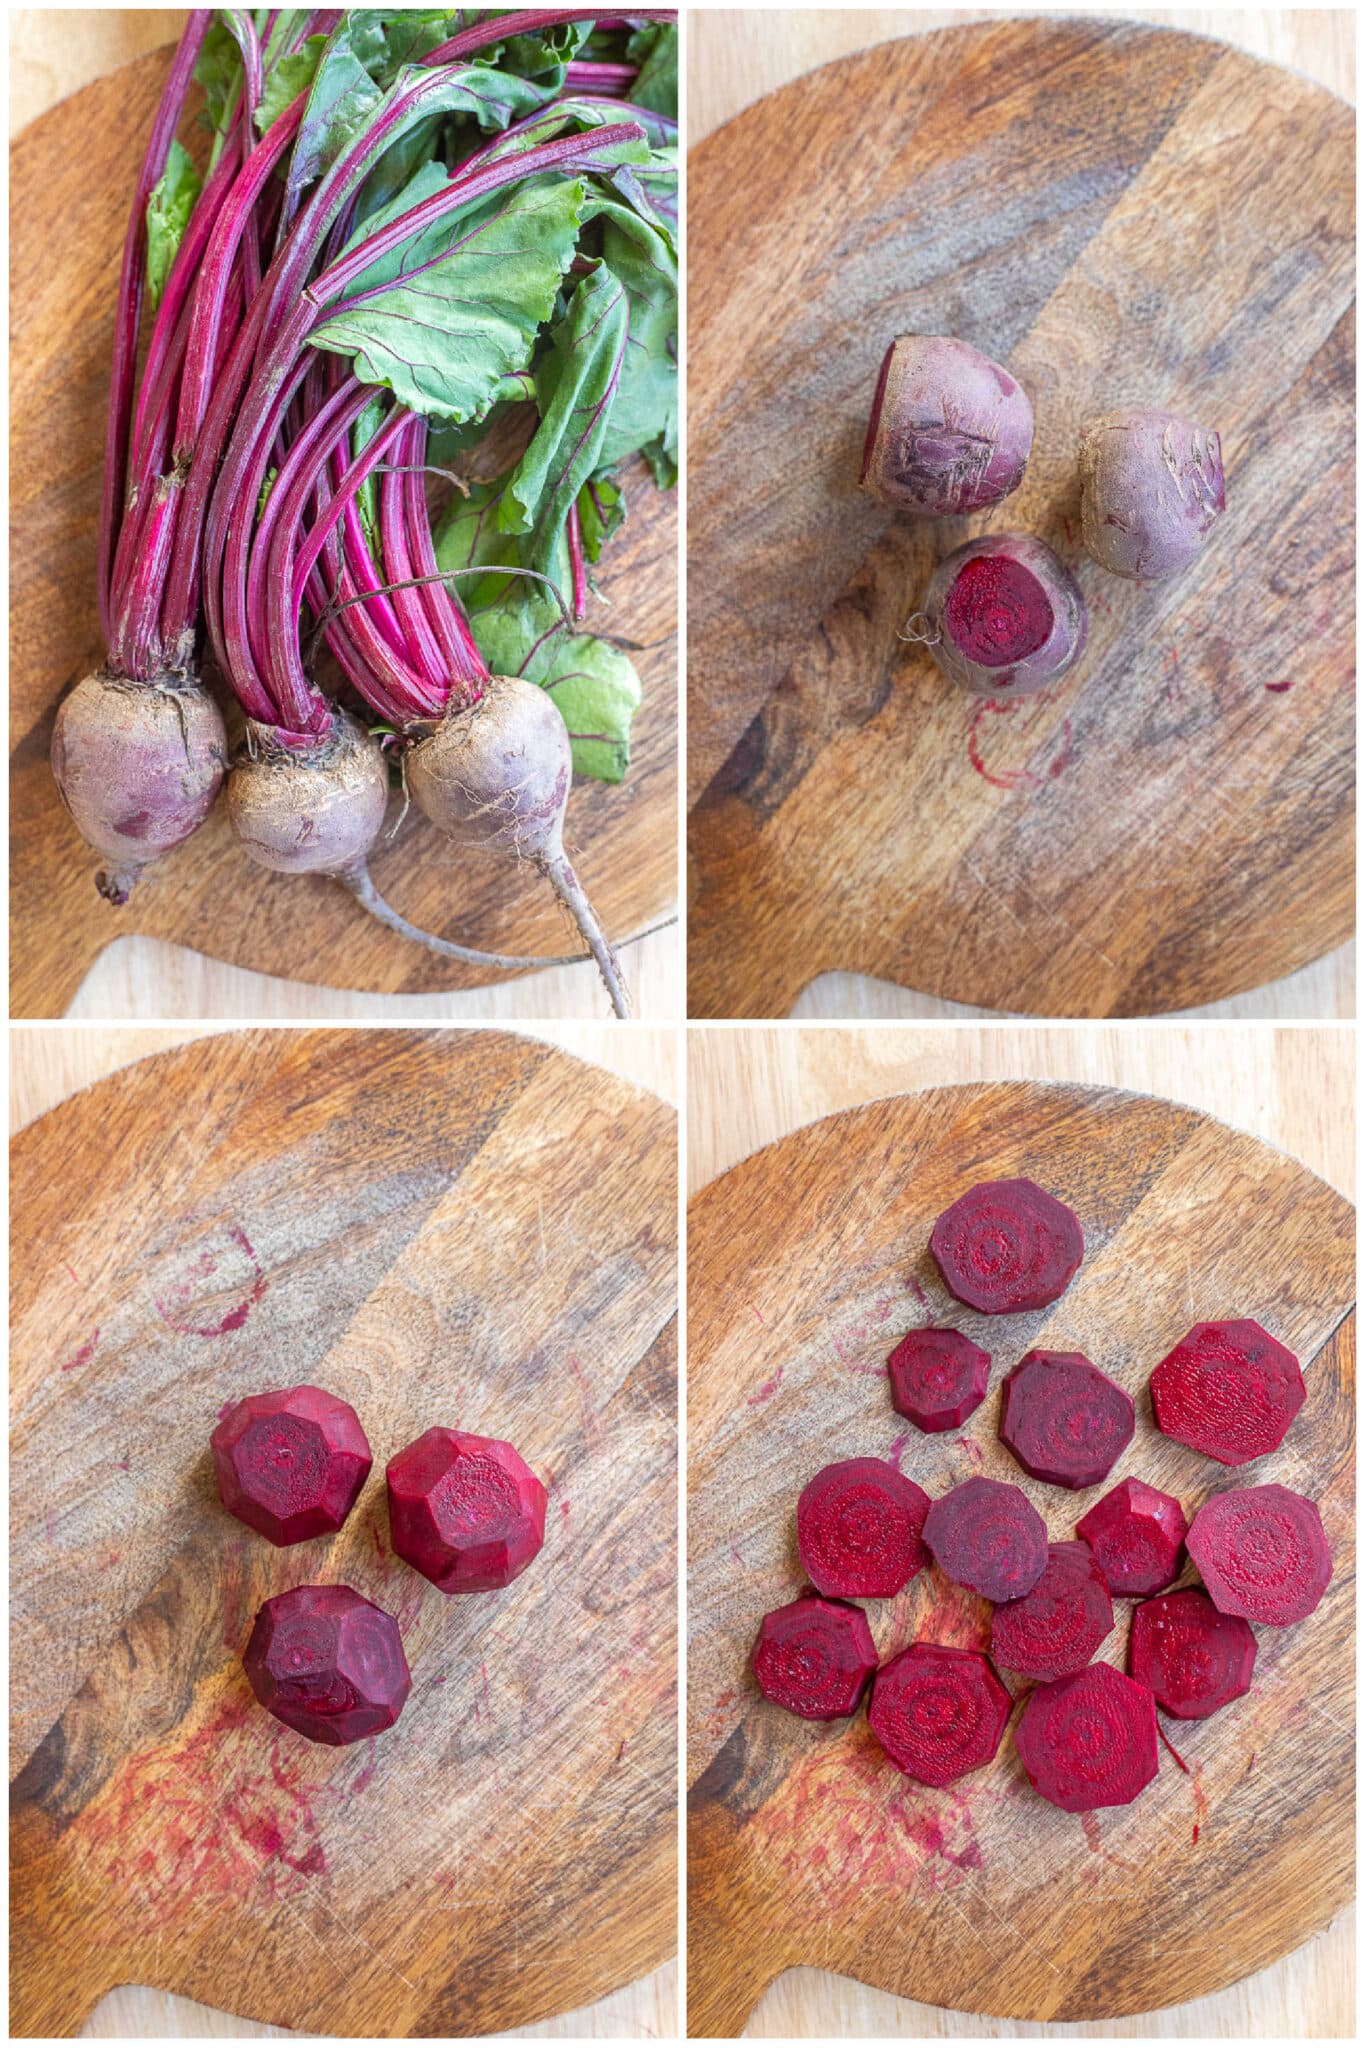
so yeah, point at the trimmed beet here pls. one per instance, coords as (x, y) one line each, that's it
(1057, 1628)
(1193, 1658)
(1262, 1554)
(291, 1464)
(465, 1511)
(1151, 491)
(950, 430)
(1002, 616)
(814, 1657)
(1089, 1740)
(938, 1713)
(1007, 1245)
(328, 1663)
(1137, 1535)
(987, 1535)
(1230, 1390)
(1064, 1420)
(858, 1528)
(937, 1378)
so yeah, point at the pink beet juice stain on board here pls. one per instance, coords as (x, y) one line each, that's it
(767, 1390)
(897, 1450)
(1003, 736)
(85, 1354)
(1278, 689)
(845, 1826)
(176, 1308)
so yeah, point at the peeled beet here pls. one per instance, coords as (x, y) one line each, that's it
(328, 1663)
(291, 1464)
(1151, 491)
(814, 1657)
(1057, 1628)
(858, 1528)
(465, 1511)
(950, 430)
(1228, 1389)
(988, 1536)
(1002, 616)
(1261, 1553)
(938, 1713)
(1007, 1245)
(1089, 1740)
(1064, 1420)
(1194, 1659)
(937, 1378)
(1137, 1535)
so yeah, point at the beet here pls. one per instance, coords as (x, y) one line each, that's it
(1151, 491)
(1007, 1245)
(858, 1527)
(1137, 1535)
(987, 1535)
(950, 431)
(814, 1657)
(328, 1663)
(1089, 1740)
(1063, 1419)
(1230, 1390)
(1002, 616)
(937, 1378)
(1057, 1628)
(938, 1713)
(291, 1464)
(465, 1511)
(1192, 1657)
(1261, 1553)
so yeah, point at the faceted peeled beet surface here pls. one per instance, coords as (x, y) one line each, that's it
(937, 1712)
(1057, 1628)
(937, 1378)
(814, 1657)
(1007, 1245)
(1063, 1419)
(1193, 1658)
(1137, 1534)
(328, 1663)
(465, 1511)
(858, 1528)
(988, 1536)
(1089, 1740)
(1262, 1553)
(291, 1464)
(1230, 1390)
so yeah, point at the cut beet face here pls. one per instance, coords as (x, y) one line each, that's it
(1137, 1534)
(858, 1527)
(1007, 1245)
(1057, 1628)
(1261, 1553)
(1064, 1420)
(814, 1657)
(937, 1378)
(989, 1537)
(1089, 1740)
(1230, 1390)
(938, 1713)
(1192, 1657)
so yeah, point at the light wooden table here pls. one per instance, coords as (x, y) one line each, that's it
(735, 57)
(1294, 1087)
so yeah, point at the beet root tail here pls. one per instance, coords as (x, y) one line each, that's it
(559, 873)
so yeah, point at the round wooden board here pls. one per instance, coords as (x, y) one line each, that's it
(71, 174)
(1124, 215)
(468, 1228)
(806, 1263)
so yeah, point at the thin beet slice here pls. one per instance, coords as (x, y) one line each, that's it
(938, 1713)
(1057, 1628)
(1007, 1245)
(1230, 1390)
(1137, 1534)
(1193, 1658)
(1089, 1740)
(1262, 1554)
(988, 1536)
(937, 1378)
(1064, 1420)
(814, 1657)
(858, 1527)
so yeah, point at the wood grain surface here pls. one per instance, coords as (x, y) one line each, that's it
(469, 1219)
(1100, 205)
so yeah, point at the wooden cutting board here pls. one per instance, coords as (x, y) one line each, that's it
(460, 1228)
(1123, 215)
(807, 1262)
(71, 175)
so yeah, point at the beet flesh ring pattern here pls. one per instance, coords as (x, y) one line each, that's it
(938, 1377)
(1007, 1245)
(466, 1511)
(1089, 1740)
(858, 1526)
(988, 1536)
(290, 1464)
(1137, 1534)
(814, 1657)
(1261, 1553)
(1057, 1628)
(1230, 1390)
(1193, 1658)
(1064, 1420)
(328, 1663)
(937, 1712)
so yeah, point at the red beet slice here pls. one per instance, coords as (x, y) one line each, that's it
(328, 1663)
(1137, 1534)
(989, 1537)
(858, 1527)
(290, 1464)
(1230, 1390)
(1194, 1659)
(1064, 1420)
(1089, 1740)
(1057, 1628)
(938, 1713)
(937, 1378)
(814, 1657)
(1262, 1554)
(1007, 1245)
